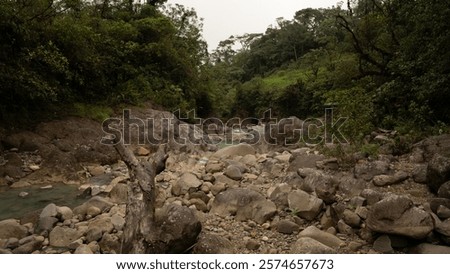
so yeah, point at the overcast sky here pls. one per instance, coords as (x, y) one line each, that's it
(223, 18)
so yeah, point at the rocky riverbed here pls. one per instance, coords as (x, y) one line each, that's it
(243, 199)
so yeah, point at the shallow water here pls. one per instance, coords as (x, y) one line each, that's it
(13, 206)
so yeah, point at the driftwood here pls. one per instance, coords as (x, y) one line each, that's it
(140, 232)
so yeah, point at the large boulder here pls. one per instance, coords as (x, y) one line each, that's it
(305, 205)
(436, 144)
(12, 229)
(307, 245)
(244, 204)
(385, 180)
(232, 151)
(398, 215)
(63, 236)
(284, 132)
(438, 171)
(443, 228)
(179, 227)
(426, 248)
(367, 170)
(325, 186)
(300, 160)
(101, 203)
(323, 237)
(444, 190)
(209, 243)
(187, 182)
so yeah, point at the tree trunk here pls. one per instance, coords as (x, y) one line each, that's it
(140, 232)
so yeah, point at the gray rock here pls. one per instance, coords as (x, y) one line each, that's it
(321, 236)
(232, 151)
(444, 190)
(372, 196)
(443, 228)
(351, 218)
(300, 161)
(94, 234)
(83, 249)
(209, 243)
(218, 187)
(5, 251)
(179, 226)
(214, 167)
(199, 204)
(249, 160)
(358, 201)
(118, 222)
(75, 244)
(233, 172)
(110, 244)
(96, 170)
(103, 223)
(46, 224)
(323, 185)
(307, 245)
(220, 178)
(29, 247)
(344, 228)
(259, 211)
(384, 180)
(119, 194)
(279, 195)
(252, 244)
(362, 212)
(435, 144)
(187, 182)
(383, 244)
(49, 211)
(12, 229)
(287, 227)
(368, 170)
(398, 215)
(23, 194)
(305, 205)
(12, 243)
(426, 248)
(438, 172)
(200, 195)
(443, 212)
(435, 203)
(419, 174)
(244, 204)
(64, 213)
(94, 246)
(93, 211)
(101, 203)
(351, 186)
(63, 236)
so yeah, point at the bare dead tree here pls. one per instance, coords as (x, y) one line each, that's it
(141, 235)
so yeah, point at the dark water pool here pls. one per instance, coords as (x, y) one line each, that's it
(13, 206)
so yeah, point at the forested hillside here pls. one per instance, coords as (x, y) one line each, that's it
(381, 63)
(94, 55)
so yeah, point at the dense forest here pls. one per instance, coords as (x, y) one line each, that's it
(383, 63)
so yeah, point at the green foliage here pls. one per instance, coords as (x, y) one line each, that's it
(56, 53)
(95, 112)
(356, 105)
(380, 63)
(370, 150)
